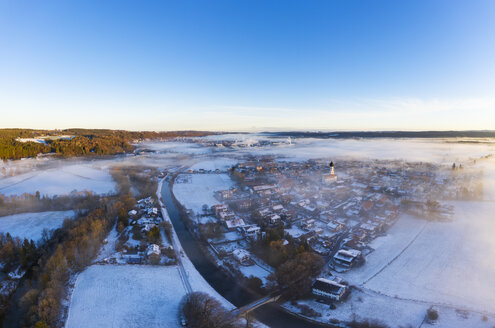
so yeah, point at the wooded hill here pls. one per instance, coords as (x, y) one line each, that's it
(83, 142)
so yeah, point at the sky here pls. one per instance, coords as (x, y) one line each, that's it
(248, 65)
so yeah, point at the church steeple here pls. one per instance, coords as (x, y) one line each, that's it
(329, 178)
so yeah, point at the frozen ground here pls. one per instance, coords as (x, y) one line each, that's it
(126, 296)
(59, 181)
(198, 189)
(31, 225)
(442, 263)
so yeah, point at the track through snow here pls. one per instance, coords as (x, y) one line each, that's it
(397, 256)
(449, 264)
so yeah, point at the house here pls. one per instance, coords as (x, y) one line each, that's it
(153, 212)
(335, 226)
(347, 257)
(226, 215)
(369, 227)
(219, 208)
(308, 224)
(245, 204)
(328, 289)
(226, 194)
(153, 249)
(234, 223)
(274, 219)
(147, 227)
(241, 255)
(263, 187)
(252, 231)
(264, 212)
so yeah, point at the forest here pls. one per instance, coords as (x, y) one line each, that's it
(80, 142)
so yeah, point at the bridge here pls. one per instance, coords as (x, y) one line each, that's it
(239, 312)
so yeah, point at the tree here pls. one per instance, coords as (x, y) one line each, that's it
(254, 283)
(296, 275)
(432, 314)
(203, 311)
(154, 236)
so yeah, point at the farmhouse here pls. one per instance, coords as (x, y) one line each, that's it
(328, 289)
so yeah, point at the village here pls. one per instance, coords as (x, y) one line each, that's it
(333, 212)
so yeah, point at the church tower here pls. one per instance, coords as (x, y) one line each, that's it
(329, 178)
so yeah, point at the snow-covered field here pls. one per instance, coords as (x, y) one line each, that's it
(444, 263)
(199, 189)
(59, 181)
(126, 296)
(451, 263)
(31, 225)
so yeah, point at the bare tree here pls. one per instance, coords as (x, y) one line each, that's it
(200, 310)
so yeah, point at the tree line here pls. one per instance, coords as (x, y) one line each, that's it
(83, 142)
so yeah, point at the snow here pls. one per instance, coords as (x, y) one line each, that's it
(31, 225)
(449, 263)
(386, 248)
(205, 219)
(443, 263)
(220, 163)
(255, 271)
(200, 189)
(126, 296)
(366, 305)
(59, 181)
(295, 231)
(108, 249)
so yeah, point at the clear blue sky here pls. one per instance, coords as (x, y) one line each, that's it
(248, 65)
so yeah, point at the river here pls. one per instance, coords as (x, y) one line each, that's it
(224, 284)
